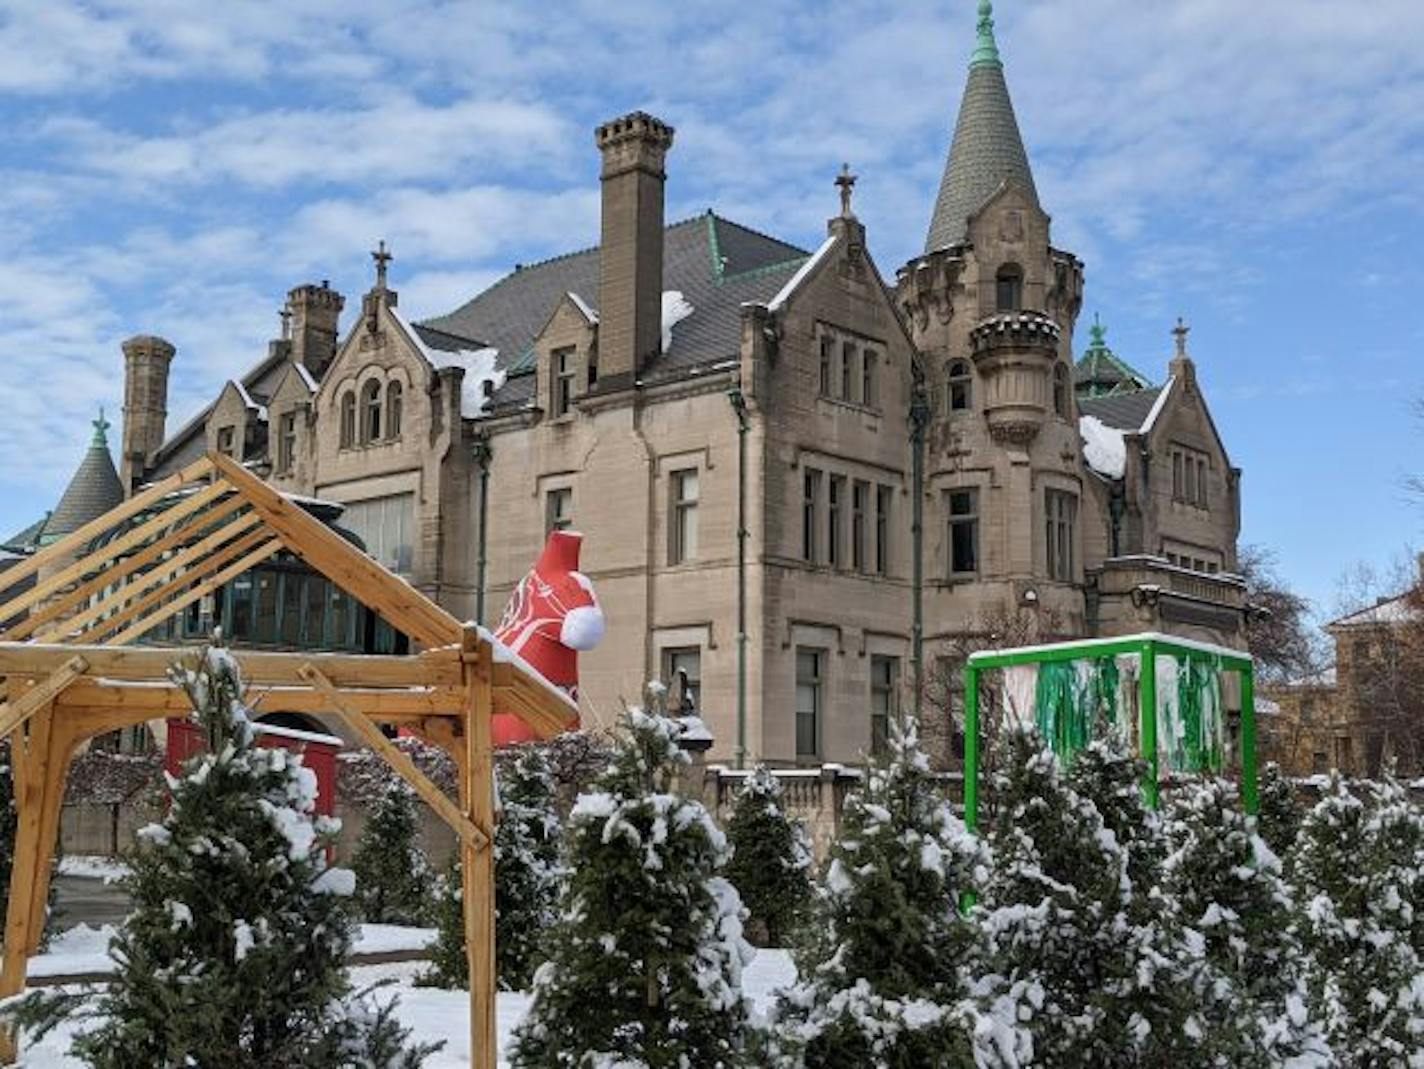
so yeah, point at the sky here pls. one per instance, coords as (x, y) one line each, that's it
(175, 168)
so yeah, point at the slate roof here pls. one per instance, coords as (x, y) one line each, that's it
(716, 264)
(93, 491)
(27, 540)
(1125, 411)
(987, 151)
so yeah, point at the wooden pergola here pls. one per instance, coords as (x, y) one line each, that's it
(69, 674)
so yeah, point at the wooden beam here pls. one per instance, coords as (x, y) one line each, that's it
(402, 606)
(478, 898)
(547, 713)
(259, 667)
(371, 735)
(108, 553)
(57, 608)
(203, 569)
(77, 540)
(178, 604)
(61, 754)
(155, 577)
(15, 712)
(166, 700)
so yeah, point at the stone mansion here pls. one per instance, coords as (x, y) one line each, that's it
(798, 477)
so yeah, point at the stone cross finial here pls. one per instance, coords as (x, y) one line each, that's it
(846, 181)
(285, 315)
(1180, 332)
(101, 429)
(382, 257)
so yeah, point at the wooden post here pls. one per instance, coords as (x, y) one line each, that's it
(60, 753)
(479, 864)
(30, 754)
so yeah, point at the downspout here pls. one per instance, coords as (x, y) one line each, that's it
(919, 420)
(739, 408)
(481, 453)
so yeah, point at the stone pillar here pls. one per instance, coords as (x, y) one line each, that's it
(630, 280)
(146, 361)
(316, 311)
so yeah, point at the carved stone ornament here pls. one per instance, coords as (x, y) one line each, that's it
(1014, 431)
(1011, 227)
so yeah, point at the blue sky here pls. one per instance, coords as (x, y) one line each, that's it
(174, 168)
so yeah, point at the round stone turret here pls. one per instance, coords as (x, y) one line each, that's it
(1015, 353)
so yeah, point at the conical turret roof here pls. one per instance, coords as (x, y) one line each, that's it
(93, 491)
(987, 149)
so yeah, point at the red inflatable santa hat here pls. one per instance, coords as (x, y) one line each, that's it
(552, 616)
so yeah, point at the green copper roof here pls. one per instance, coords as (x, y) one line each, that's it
(986, 49)
(987, 150)
(1101, 373)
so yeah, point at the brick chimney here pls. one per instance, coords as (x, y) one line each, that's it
(630, 284)
(146, 360)
(315, 312)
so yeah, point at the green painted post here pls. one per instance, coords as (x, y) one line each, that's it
(1249, 795)
(1147, 699)
(971, 747)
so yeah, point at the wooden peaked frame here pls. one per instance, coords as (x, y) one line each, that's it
(69, 674)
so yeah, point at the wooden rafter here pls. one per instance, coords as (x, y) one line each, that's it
(162, 577)
(372, 737)
(119, 571)
(109, 553)
(79, 539)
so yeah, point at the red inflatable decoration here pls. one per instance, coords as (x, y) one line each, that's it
(552, 615)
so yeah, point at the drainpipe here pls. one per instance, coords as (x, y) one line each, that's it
(481, 453)
(919, 420)
(739, 407)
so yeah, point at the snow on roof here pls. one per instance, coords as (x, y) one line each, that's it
(481, 379)
(1103, 447)
(1396, 610)
(676, 308)
(694, 729)
(583, 306)
(1158, 405)
(247, 400)
(306, 375)
(794, 282)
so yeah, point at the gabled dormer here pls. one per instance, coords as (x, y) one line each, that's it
(237, 425)
(290, 426)
(566, 354)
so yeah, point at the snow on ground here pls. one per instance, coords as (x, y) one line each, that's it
(83, 950)
(92, 867)
(434, 1015)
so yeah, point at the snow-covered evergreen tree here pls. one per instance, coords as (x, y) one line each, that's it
(645, 963)
(393, 878)
(771, 860)
(1279, 813)
(1057, 906)
(885, 973)
(234, 953)
(1366, 981)
(527, 872)
(449, 961)
(1228, 886)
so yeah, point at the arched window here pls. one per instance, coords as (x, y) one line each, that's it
(393, 410)
(1060, 391)
(348, 420)
(371, 412)
(1010, 288)
(961, 386)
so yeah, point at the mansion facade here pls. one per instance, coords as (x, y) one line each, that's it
(799, 477)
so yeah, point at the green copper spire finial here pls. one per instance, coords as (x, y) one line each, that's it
(1098, 334)
(101, 430)
(986, 51)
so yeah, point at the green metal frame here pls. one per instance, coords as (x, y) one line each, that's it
(1145, 646)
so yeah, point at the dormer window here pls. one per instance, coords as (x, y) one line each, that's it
(961, 386)
(394, 401)
(562, 385)
(1009, 288)
(286, 441)
(348, 420)
(227, 437)
(371, 412)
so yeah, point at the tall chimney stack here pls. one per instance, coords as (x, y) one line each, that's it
(315, 312)
(630, 283)
(146, 360)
